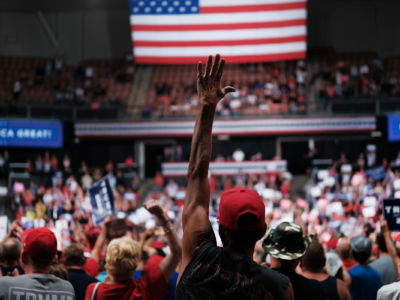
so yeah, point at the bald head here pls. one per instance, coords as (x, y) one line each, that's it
(343, 248)
(10, 251)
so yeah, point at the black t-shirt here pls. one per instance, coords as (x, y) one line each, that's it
(221, 273)
(303, 287)
(330, 287)
(80, 281)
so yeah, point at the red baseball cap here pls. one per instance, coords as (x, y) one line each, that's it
(25, 234)
(157, 245)
(237, 202)
(331, 244)
(91, 267)
(40, 244)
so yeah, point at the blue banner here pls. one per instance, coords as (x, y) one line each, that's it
(33, 134)
(378, 173)
(391, 213)
(394, 128)
(102, 200)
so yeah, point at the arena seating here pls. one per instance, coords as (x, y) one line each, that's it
(262, 88)
(110, 81)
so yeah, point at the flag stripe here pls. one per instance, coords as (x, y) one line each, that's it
(223, 50)
(300, 38)
(244, 2)
(275, 24)
(219, 35)
(251, 8)
(246, 17)
(229, 59)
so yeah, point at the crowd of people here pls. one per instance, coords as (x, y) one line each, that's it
(239, 237)
(262, 88)
(38, 80)
(369, 76)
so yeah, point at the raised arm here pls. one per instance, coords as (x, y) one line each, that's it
(196, 225)
(168, 264)
(390, 247)
(101, 240)
(15, 231)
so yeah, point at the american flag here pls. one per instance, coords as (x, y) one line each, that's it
(186, 31)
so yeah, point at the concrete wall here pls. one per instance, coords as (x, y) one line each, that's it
(355, 25)
(81, 34)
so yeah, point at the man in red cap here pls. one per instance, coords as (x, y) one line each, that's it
(208, 271)
(39, 251)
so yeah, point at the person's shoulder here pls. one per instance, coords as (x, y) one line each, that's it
(380, 261)
(208, 249)
(272, 276)
(373, 271)
(389, 291)
(30, 280)
(376, 261)
(15, 279)
(81, 274)
(307, 281)
(61, 283)
(315, 287)
(395, 286)
(354, 270)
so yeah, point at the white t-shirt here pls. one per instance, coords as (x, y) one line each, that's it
(389, 292)
(238, 155)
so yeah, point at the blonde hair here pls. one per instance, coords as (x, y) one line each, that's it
(122, 257)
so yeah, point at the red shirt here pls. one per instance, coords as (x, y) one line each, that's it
(151, 286)
(348, 263)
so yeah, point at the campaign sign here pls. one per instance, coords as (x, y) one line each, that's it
(102, 200)
(376, 173)
(35, 134)
(394, 128)
(3, 227)
(391, 213)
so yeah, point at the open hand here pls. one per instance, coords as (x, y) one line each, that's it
(209, 82)
(16, 229)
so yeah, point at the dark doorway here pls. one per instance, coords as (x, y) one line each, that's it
(295, 153)
(155, 155)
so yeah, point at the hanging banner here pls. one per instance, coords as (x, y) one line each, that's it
(32, 134)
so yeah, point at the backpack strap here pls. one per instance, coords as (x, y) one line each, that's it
(94, 291)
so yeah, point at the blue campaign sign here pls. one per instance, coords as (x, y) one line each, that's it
(35, 134)
(378, 173)
(102, 200)
(391, 213)
(394, 128)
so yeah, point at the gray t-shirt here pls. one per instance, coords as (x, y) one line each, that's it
(35, 287)
(384, 265)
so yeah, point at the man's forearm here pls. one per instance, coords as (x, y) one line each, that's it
(392, 251)
(169, 264)
(174, 242)
(200, 153)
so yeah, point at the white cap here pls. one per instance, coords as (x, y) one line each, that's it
(322, 174)
(315, 192)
